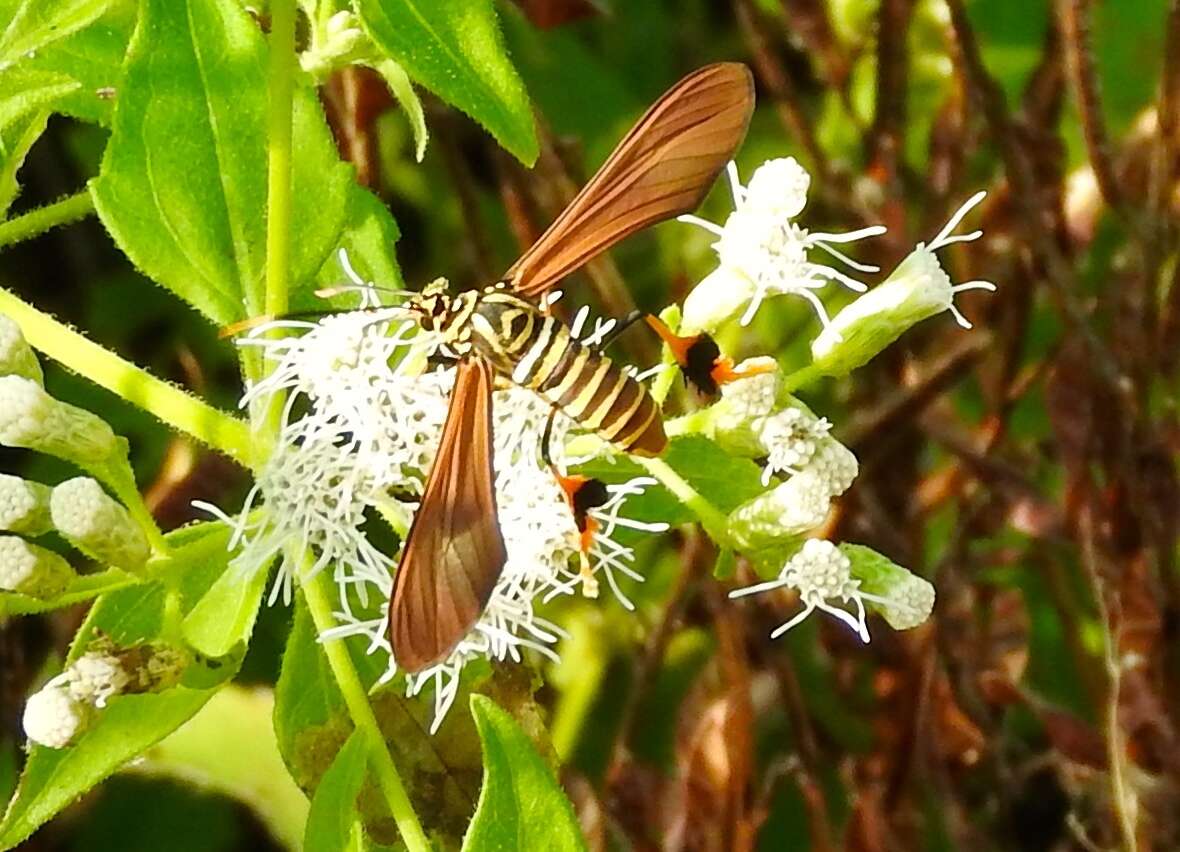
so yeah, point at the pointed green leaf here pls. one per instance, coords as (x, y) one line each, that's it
(26, 99)
(29, 25)
(333, 822)
(455, 49)
(368, 238)
(521, 805)
(225, 615)
(182, 187)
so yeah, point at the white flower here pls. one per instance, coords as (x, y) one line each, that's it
(16, 356)
(762, 253)
(362, 424)
(96, 677)
(53, 717)
(917, 289)
(97, 524)
(821, 575)
(32, 570)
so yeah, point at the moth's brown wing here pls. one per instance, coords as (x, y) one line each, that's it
(454, 552)
(662, 168)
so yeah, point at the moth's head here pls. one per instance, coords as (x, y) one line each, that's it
(432, 306)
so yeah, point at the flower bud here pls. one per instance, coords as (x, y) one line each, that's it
(53, 717)
(718, 297)
(97, 524)
(31, 418)
(31, 570)
(16, 356)
(917, 289)
(24, 506)
(904, 599)
(780, 515)
(778, 188)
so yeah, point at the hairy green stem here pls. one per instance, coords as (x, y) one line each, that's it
(37, 222)
(712, 519)
(315, 593)
(183, 412)
(281, 93)
(803, 376)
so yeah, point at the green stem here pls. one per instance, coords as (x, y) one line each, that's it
(281, 89)
(803, 376)
(183, 412)
(315, 593)
(712, 519)
(37, 222)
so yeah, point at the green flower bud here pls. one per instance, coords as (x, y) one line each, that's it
(902, 598)
(97, 524)
(31, 570)
(917, 289)
(24, 506)
(781, 515)
(16, 356)
(31, 418)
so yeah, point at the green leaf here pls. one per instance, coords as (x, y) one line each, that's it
(308, 717)
(224, 617)
(130, 724)
(81, 589)
(455, 49)
(333, 825)
(369, 236)
(93, 56)
(724, 480)
(399, 84)
(521, 805)
(26, 99)
(182, 187)
(32, 24)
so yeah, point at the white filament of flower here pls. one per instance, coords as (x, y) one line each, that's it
(761, 244)
(821, 574)
(946, 238)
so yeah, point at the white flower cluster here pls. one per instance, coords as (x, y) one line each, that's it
(763, 252)
(363, 419)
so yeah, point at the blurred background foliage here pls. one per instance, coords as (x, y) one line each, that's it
(1027, 468)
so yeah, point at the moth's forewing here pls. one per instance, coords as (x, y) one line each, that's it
(454, 552)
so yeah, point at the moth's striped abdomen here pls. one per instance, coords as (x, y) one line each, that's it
(538, 352)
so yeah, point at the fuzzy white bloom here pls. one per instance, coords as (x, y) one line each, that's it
(362, 424)
(24, 506)
(16, 356)
(761, 252)
(31, 418)
(797, 505)
(32, 570)
(917, 289)
(97, 524)
(821, 574)
(96, 677)
(53, 717)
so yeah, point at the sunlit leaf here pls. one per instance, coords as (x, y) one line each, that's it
(29, 25)
(26, 99)
(182, 187)
(333, 823)
(521, 805)
(455, 49)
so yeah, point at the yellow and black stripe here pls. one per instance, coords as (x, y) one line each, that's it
(538, 352)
